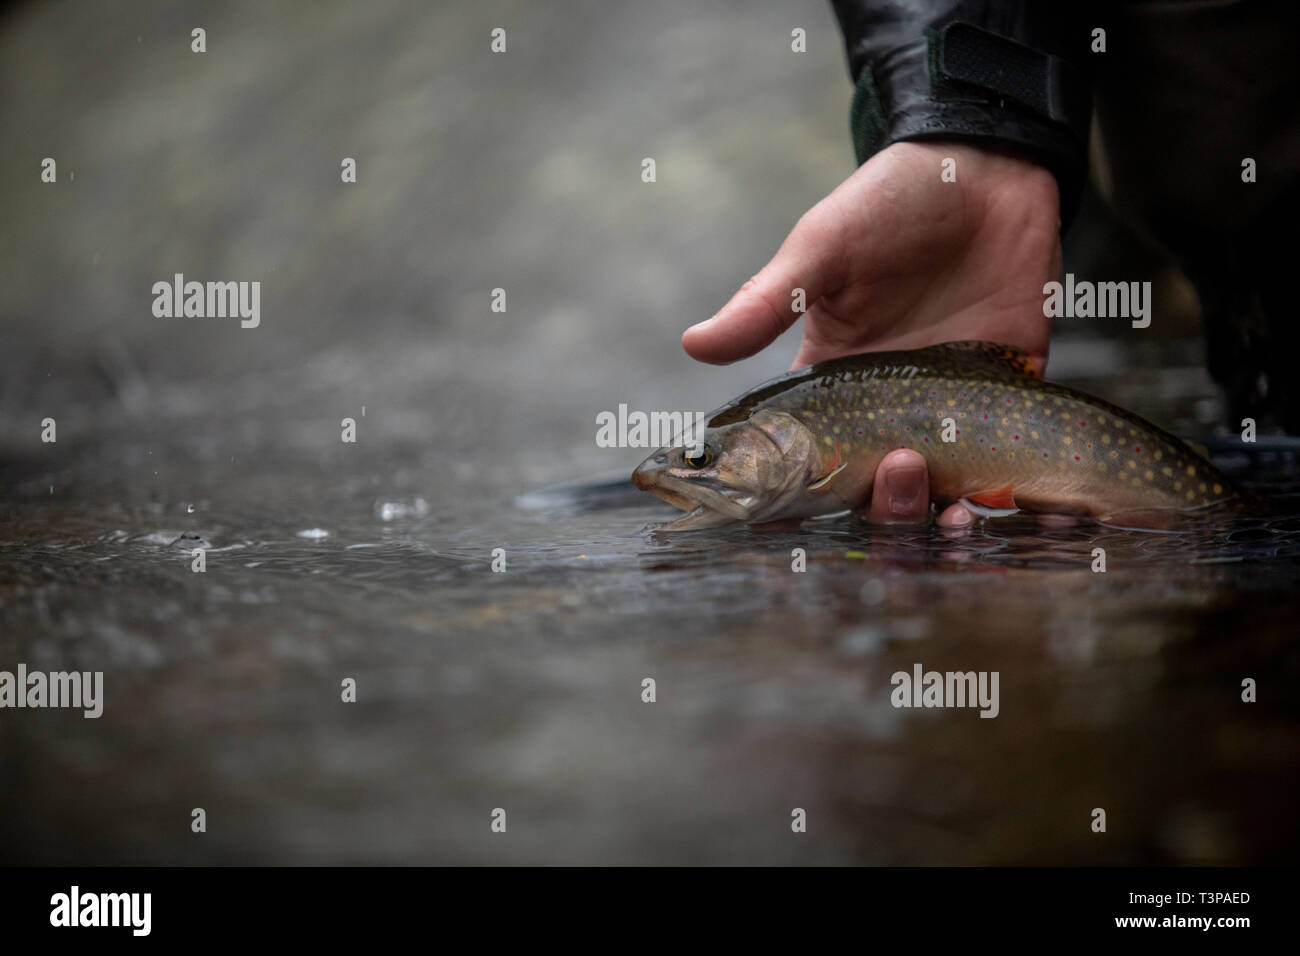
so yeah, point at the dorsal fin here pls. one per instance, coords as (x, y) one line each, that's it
(1002, 356)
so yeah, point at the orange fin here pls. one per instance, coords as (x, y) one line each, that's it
(999, 499)
(1003, 356)
(995, 498)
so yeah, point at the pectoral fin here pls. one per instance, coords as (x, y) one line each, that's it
(821, 483)
(838, 464)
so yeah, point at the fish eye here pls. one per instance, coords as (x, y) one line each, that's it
(697, 456)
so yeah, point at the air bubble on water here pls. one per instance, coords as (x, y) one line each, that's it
(189, 509)
(314, 534)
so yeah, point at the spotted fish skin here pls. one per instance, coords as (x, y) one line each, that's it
(1048, 447)
(809, 442)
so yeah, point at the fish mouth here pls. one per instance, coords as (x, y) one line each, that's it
(705, 499)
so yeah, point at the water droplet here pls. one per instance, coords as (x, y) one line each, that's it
(392, 510)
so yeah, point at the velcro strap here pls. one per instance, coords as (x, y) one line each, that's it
(1040, 82)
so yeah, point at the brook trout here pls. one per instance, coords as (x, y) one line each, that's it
(808, 443)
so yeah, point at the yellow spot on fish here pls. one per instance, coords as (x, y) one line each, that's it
(1218, 489)
(1204, 487)
(1149, 474)
(1167, 471)
(1159, 454)
(1131, 463)
(826, 439)
(1191, 469)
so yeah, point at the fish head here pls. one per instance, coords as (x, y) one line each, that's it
(752, 470)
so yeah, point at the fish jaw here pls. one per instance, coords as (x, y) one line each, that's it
(687, 494)
(701, 519)
(706, 507)
(757, 471)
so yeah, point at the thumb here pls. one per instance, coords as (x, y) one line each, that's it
(764, 307)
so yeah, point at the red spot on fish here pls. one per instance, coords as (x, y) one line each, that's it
(995, 448)
(986, 416)
(1138, 449)
(1089, 444)
(1008, 402)
(1076, 457)
(1044, 454)
(1017, 437)
(1083, 424)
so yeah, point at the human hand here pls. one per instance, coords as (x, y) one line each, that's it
(897, 258)
(901, 494)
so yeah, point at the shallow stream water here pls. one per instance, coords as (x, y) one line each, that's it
(372, 561)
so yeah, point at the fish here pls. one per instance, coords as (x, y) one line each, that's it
(995, 435)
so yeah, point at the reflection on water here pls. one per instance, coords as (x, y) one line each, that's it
(522, 689)
(479, 689)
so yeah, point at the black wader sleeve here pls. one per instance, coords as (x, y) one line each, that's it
(1008, 73)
